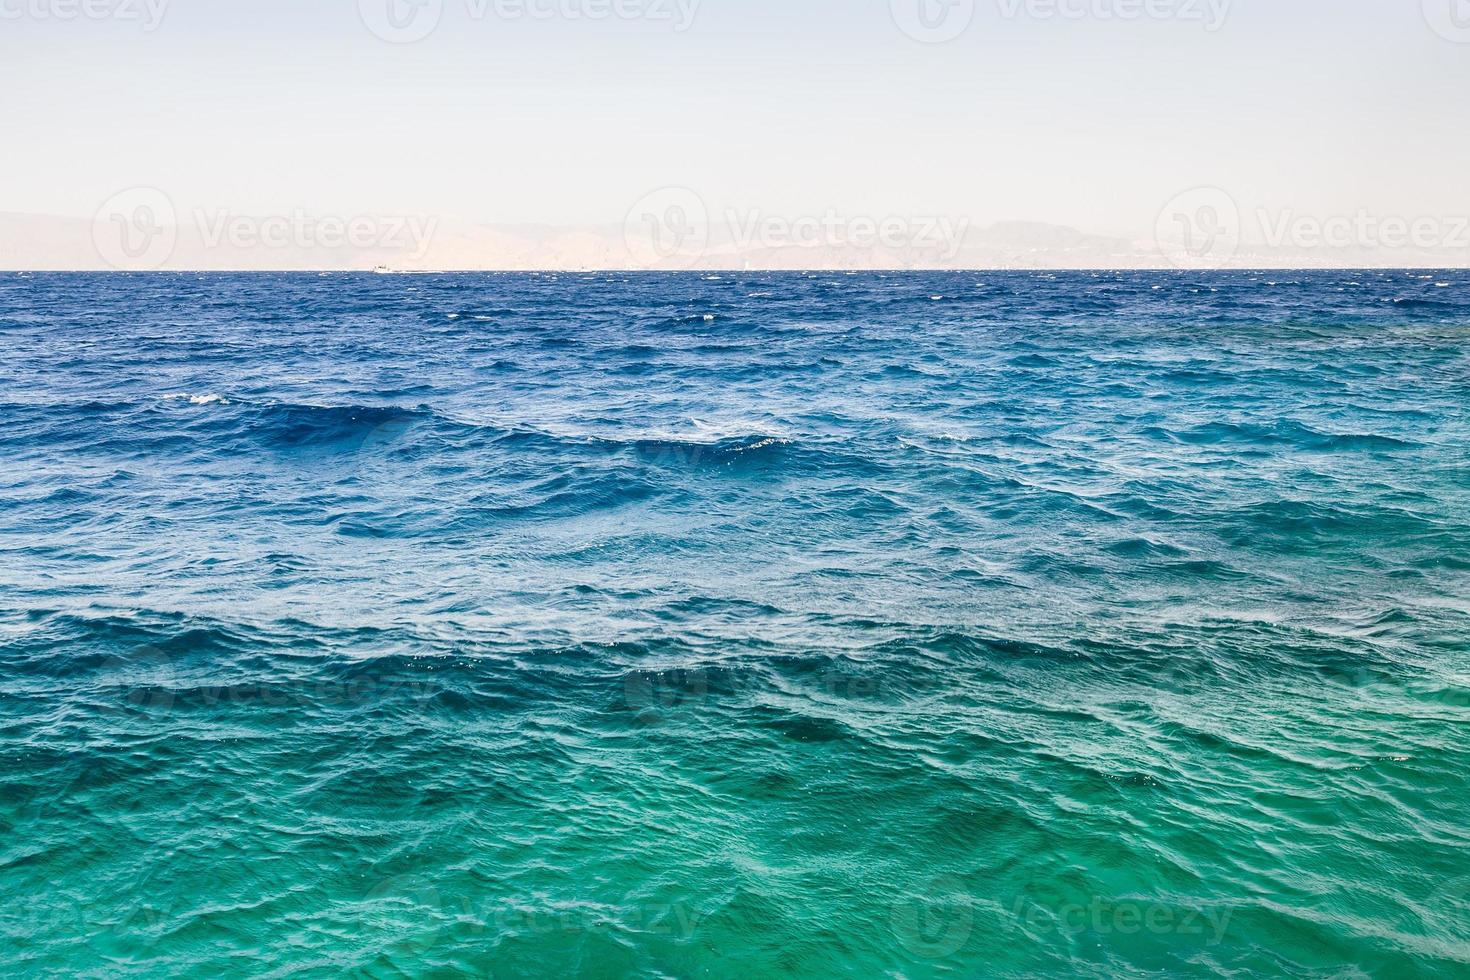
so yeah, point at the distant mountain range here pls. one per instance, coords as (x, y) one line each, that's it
(42, 242)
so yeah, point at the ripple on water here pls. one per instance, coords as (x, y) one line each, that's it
(1099, 624)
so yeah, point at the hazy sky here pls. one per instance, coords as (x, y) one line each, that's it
(1066, 111)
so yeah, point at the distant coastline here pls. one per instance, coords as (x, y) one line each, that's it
(35, 243)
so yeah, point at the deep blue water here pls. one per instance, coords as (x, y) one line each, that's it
(907, 625)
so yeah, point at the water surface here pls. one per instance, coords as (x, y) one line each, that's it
(906, 625)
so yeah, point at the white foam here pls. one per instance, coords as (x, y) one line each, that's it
(210, 399)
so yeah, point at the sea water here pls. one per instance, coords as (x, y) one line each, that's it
(741, 625)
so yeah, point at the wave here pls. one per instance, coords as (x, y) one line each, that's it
(1281, 433)
(324, 615)
(1306, 522)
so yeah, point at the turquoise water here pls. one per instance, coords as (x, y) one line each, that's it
(823, 625)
